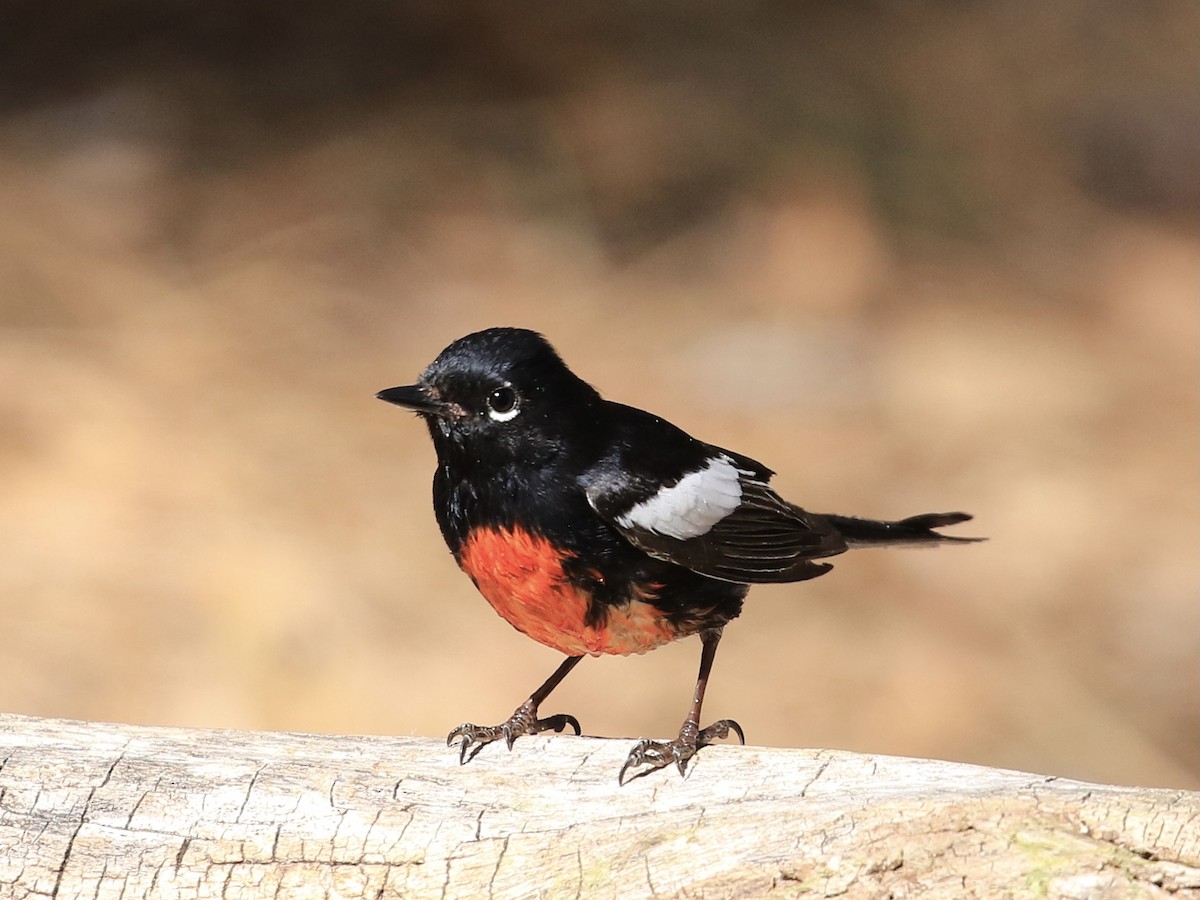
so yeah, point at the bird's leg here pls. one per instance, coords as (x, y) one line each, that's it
(659, 754)
(524, 719)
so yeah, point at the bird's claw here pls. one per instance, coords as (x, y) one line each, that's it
(660, 754)
(523, 721)
(718, 731)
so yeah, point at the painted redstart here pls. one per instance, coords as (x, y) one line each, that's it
(594, 527)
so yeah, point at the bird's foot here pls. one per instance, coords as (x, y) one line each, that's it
(660, 754)
(524, 720)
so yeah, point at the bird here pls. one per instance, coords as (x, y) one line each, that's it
(599, 528)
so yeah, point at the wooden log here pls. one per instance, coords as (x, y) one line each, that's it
(97, 810)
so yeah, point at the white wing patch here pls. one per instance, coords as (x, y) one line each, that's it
(693, 505)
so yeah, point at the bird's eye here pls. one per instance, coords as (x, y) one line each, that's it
(502, 404)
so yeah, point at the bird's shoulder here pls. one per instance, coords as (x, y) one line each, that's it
(644, 453)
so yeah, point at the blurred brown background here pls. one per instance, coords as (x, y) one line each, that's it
(916, 257)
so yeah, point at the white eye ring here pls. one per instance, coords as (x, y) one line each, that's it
(503, 404)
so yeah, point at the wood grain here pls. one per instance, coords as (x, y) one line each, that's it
(98, 810)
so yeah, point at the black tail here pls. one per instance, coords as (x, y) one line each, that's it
(913, 530)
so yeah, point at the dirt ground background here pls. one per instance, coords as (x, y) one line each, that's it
(916, 257)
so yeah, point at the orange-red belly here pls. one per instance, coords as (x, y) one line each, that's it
(522, 576)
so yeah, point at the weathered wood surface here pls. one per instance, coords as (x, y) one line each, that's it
(94, 810)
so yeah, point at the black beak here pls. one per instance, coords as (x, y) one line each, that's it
(415, 397)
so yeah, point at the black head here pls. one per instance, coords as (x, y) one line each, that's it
(500, 395)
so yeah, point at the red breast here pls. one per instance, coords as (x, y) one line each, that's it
(521, 575)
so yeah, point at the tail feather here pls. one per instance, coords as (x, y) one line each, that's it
(913, 530)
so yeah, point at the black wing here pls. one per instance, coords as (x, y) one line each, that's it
(716, 514)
